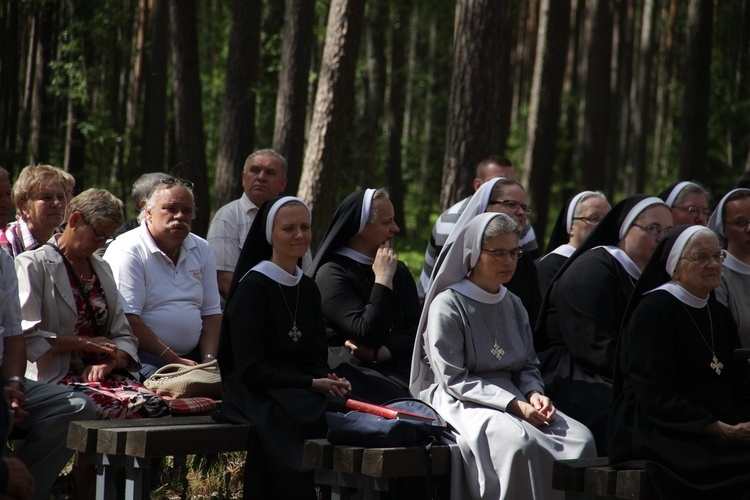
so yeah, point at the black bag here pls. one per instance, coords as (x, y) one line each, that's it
(358, 428)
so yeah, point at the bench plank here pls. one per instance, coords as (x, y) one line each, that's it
(180, 439)
(634, 484)
(348, 459)
(404, 462)
(82, 435)
(570, 475)
(601, 481)
(317, 454)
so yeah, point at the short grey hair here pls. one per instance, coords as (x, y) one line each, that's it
(694, 187)
(379, 194)
(500, 224)
(268, 152)
(593, 194)
(160, 186)
(98, 207)
(143, 186)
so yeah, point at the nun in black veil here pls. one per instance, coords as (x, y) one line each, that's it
(369, 298)
(272, 353)
(576, 333)
(577, 218)
(681, 403)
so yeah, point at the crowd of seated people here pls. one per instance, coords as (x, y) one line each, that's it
(597, 347)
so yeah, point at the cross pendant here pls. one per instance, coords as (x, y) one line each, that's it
(497, 351)
(716, 365)
(294, 333)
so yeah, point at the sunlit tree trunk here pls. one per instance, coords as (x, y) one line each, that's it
(399, 16)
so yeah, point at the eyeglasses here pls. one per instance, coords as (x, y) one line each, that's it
(704, 258)
(171, 181)
(500, 254)
(652, 229)
(694, 210)
(512, 205)
(739, 224)
(98, 238)
(591, 219)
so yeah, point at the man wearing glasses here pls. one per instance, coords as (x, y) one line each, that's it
(263, 178)
(167, 278)
(490, 168)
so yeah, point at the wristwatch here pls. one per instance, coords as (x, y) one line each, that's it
(16, 378)
(209, 356)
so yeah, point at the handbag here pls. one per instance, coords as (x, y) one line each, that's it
(182, 381)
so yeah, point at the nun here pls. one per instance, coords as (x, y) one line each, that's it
(369, 297)
(578, 217)
(474, 362)
(507, 196)
(688, 202)
(681, 404)
(731, 223)
(580, 319)
(272, 353)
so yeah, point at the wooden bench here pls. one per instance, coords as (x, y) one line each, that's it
(371, 470)
(134, 444)
(595, 479)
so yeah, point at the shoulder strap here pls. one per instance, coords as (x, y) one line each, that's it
(81, 289)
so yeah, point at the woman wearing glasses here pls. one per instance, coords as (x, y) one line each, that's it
(506, 196)
(731, 223)
(73, 319)
(474, 362)
(578, 326)
(681, 404)
(688, 201)
(578, 217)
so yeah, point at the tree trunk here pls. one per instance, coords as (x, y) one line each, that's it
(154, 128)
(190, 142)
(695, 112)
(476, 71)
(331, 111)
(570, 156)
(544, 112)
(641, 109)
(38, 147)
(396, 105)
(663, 122)
(10, 54)
(619, 153)
(598, 47)
(291, 100)
(238, 115)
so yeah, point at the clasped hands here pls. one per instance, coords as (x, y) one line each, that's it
(538, 411)
(332, 384)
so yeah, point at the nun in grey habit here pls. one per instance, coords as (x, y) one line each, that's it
(474, 362)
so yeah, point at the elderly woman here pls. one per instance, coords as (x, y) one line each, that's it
(474, 362)
(41, 203)
(578, 217)
(369, 297)
(273, 353)
(681, 404)
(731, 223)
(580, 319)
(688, 201)
(73, 321)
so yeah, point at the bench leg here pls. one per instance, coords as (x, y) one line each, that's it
(137, 478)
(105, 477)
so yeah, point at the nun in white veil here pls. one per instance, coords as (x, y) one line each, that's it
(474, 362)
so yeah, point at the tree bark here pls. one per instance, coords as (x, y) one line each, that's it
(291, 100)
(10, 54)
(190, 141)
(331, 113)
(476, 71)
(154, 128)
(238, 115)
(695, 104)
(396, 104)
(38, 147)
(544, 113)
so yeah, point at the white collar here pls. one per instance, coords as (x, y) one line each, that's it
(565, 250)
(247, 205)
(355, 256)
(470, 289)
(625, 261)
(734, 264)
(276, 273)
(682, 295)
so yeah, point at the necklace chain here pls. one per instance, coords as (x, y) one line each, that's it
(496, 350)
(715, 364)
(295, 332)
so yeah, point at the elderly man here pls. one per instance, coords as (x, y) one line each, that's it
(491, 167)
(264, 177)
(167, 279)
(142, 188)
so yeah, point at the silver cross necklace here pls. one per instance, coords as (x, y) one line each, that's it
(496, 350)
(715, 364)
(295, 332)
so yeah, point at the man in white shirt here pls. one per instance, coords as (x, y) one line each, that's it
(42, 410)
(167, 278)
(263, 177)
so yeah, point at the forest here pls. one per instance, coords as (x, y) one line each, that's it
(615, 95)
